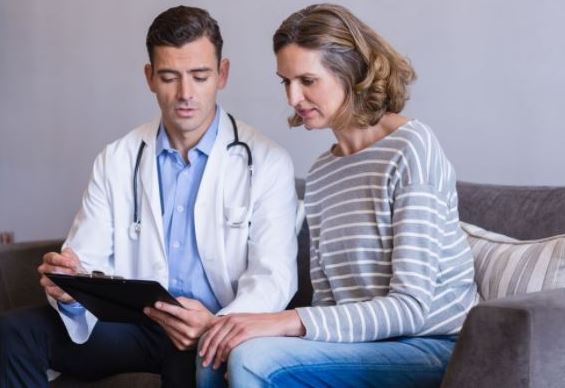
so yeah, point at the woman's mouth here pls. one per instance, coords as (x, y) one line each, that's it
(306, 113)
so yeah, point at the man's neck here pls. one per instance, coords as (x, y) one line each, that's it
(185, 141)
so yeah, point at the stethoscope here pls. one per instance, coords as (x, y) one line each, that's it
(135, 227)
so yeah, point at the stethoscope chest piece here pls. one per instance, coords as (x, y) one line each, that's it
(134, 230)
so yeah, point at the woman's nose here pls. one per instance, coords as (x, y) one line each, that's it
(294, 94)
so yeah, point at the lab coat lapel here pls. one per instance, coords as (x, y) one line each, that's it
(149, 183)
(208, 214)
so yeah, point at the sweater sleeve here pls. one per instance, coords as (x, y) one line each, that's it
(418, 224)
(322, 293)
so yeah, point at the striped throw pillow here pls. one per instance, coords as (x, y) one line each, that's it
(505, 266)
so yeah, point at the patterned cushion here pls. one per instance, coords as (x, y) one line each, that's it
(506, 266)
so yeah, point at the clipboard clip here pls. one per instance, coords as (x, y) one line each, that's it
(99, 275)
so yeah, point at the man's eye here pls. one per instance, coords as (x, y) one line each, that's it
(200, 79)
(168, 80)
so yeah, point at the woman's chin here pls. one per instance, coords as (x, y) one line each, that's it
(313, 124)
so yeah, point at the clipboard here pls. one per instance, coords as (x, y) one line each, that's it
(113, 299)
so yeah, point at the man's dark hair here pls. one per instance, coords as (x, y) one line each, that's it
(180, 25)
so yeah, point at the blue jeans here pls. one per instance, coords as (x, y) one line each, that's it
(296, 362)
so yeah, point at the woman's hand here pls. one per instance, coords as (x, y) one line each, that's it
(231, 330)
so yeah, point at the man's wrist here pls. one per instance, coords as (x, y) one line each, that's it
(71, 308)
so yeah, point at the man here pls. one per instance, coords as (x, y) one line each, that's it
(173, 201)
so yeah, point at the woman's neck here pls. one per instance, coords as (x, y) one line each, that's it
(353, 140)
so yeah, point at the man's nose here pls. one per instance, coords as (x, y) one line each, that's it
(184, 89)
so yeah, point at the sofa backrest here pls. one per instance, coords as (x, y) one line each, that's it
(522, 212)
(19, 280)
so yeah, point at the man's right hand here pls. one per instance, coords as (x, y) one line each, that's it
(66, 262)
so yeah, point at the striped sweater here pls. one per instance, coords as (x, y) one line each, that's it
(388, 257)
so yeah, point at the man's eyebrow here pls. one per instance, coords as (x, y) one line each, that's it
(192, 71)
(200, 70)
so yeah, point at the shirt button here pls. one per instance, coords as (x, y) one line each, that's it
(180, 208)
(176, 244)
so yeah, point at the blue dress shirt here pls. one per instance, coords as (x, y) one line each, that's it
(178, 185)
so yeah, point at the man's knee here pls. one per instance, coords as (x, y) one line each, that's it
(22, 328)
(13, 329)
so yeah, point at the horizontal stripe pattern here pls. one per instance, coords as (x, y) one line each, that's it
(505, 266)
(388, 257)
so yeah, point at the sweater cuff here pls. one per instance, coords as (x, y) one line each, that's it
(306, 315)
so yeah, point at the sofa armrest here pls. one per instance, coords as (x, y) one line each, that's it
(19, 280)
(517, 341)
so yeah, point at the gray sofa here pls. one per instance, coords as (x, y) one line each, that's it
(510, 342)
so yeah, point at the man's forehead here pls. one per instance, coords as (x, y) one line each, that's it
(198, 48)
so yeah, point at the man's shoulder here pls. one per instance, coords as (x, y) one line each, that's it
(260, 144)
(132, 140)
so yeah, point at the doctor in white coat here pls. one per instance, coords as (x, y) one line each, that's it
(244, 222)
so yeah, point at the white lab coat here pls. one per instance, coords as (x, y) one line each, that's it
(250, 268)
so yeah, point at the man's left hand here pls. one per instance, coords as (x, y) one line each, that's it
(183, 325)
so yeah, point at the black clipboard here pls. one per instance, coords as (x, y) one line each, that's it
(113, 299)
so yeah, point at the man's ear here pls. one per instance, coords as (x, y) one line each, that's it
(148, 69)
(224, 72)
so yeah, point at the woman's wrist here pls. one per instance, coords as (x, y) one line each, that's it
(293, 324)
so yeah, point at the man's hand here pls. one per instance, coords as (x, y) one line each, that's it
(231, 330)
(184, 325)
(66, 262)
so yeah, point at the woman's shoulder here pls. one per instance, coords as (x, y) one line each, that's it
(322, 161)
(423, 159)
(411, 130)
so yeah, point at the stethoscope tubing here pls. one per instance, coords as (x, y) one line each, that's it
(136, 226)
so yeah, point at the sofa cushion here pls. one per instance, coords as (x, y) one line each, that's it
(505, 266)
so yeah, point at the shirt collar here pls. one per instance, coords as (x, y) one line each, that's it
(204, 145)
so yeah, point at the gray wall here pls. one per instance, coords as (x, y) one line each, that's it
(491, 84)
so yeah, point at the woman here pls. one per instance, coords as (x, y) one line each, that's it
(391, 269)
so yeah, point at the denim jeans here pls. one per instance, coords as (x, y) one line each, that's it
(295, 362)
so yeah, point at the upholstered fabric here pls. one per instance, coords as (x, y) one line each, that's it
(19, 280)
(514, 342)
(523, 212)
(505, 266)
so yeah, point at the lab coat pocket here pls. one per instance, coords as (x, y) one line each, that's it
(236, 216)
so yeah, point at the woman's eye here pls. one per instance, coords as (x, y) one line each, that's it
(307, 81)
(285, 82)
